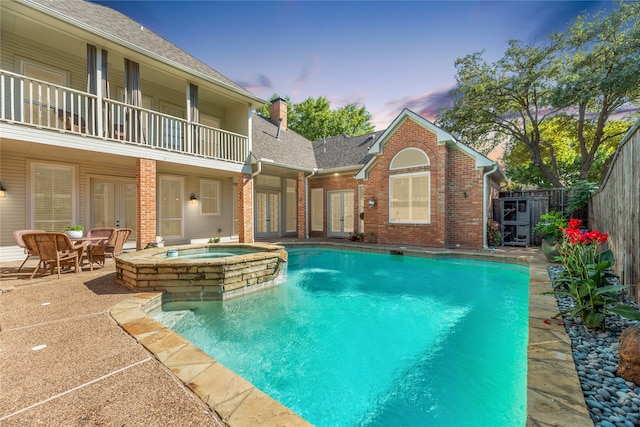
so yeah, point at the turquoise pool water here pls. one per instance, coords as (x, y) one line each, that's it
(362, 339)
(209, 253)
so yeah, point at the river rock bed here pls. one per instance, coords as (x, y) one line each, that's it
(612, 401)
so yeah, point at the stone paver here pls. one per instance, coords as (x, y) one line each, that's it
(102, 363)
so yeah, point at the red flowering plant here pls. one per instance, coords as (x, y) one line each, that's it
(587, 277)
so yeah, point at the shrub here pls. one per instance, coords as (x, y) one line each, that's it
(494, 236)
(587, 277)
(551, 225)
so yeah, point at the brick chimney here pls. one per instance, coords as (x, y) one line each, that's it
(277, 111)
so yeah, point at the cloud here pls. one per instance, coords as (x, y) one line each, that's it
(427, 105)
(261, 82)
(307, 74)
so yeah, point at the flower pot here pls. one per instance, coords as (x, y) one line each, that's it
(550, 251)
(74, 234)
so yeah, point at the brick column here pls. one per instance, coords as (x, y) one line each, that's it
(302, 203)
(146, 202)
(245, 208)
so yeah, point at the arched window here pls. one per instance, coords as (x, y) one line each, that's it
(409, 158)
(409, 193)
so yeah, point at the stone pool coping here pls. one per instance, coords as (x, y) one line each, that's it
(554, 395)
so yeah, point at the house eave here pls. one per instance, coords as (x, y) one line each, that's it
(252, 100)
(339, 170)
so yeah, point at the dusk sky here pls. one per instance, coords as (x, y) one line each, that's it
(384, 55)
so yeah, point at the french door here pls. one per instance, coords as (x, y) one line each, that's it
(267, 214)
(113, 203)
(341, 213)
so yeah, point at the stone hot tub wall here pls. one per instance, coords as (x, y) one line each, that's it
(189, 279)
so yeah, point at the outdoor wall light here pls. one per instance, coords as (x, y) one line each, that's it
(193, 200)
(3, 192)
(372, 203)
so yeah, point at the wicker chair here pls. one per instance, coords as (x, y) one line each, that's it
(17, 235)
(111, 247)
(105, 232)
(54, 249)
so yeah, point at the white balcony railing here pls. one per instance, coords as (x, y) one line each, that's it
(36, 103)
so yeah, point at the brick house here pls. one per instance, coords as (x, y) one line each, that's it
(412, 184)
(105, 124)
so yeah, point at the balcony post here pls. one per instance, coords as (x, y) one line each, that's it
(99, 131)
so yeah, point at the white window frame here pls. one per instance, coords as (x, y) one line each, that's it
(291, 202)
(413, 165)
(317, 209)
(181, 180)
(410, 220)
(74, 220)
(217, 185)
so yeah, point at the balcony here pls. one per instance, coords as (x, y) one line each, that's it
(39, 104)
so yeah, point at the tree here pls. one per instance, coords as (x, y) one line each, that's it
(561, 132)
(314, 119)
(583, 75)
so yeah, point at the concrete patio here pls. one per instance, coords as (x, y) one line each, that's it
(92, 372)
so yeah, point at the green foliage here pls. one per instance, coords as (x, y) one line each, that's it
(550, 226)
(314, 119)
(561, 134)
(581, 195)
(494, 237)
(214, 240)
(587, 278)
(573, 82)
(74, 228)
(151, 245)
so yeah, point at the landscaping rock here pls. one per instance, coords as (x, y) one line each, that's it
(629, 352)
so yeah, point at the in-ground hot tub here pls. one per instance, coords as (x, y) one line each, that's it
(201, 272)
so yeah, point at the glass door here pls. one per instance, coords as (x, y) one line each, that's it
(267, 214)
(113, 204)
(341, 213)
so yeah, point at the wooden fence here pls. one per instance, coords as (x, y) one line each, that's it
(615, 209)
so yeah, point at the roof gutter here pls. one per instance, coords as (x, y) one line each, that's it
(282, 165)
(485, 199)
(306, 203)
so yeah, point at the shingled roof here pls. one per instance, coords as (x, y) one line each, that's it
(343, 150)
(124, 30)
(288, 148)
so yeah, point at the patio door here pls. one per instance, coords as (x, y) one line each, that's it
(113, 203)
(341, 213)
(267, 214)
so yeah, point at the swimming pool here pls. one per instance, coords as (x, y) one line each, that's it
(369, 339)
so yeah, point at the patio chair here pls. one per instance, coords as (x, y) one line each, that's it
(105, 232)
(112, 247)
(54, 249)
(30, 251)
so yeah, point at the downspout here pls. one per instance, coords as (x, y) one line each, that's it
(306, 202)
(485, 197)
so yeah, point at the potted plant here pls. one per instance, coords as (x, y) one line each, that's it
(74, 231)
(550, 226)
(214, 240)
